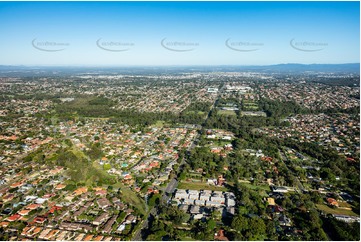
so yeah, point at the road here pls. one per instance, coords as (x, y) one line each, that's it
(210, 110)
(138, 234)
(169, 190)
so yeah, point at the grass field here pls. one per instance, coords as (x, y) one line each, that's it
(194, 112)
(81, 170)
(159, 124)
(256, 187)
(344, 204)
(131, 197)
(254, 113)
(219, 143)
(262, 189)
(249, 105)
(199, 186)
(187, 239)
(250, 108)
(226, 112)
(337, 211)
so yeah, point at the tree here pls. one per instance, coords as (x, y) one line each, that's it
(211, 225)
(182, 175)
(154, 200)
(239, 223)
(271, 230)
(257, 228)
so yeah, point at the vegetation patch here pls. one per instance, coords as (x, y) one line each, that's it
(337, 211)
(199, 186)
(226, 112)
(256, 187)
(131, 197)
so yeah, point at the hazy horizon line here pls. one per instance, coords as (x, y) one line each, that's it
(199, 65)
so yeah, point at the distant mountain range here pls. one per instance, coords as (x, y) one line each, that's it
(352, 67)
(295, 68)
(7, 70)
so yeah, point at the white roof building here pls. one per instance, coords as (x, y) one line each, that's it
(193, 192)
(231, 202)
(213, 204)
(197, 216)
(193, 196)
(180, 196)
(199, 202)
(121, 228)
(280, 189)
(188, 201)
(218, 199)
(40, 200)
(204, 197)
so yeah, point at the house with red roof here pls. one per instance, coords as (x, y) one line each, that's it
(55, 208)
(24, 212)
(14, 218)
(4, 224)
(17, 184)
(220, 236)
(39, 220)
(332, 202)
(8, 197)
(33, 206)
(101, 193)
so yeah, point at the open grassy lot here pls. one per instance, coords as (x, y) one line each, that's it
(187, 239)
(216, 142)
(254, 113)
(344, 204)
(87, 106)
(199, 186)
(249, 105)
(159, 124)
(256, 187)
(337, 211)
(131, 197)
(196, 112)
(262, 189)
(226, 112)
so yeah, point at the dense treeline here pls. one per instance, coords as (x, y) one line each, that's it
(240, 125)
(311, 149)
(163, 227)
(195, 113)
(351, 81)
(212, 164)
(341, 231)
(279, 109)
(101, 107)
(144, 119)
(243, 125)
(223, 101)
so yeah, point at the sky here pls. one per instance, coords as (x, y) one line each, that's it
(178, 33)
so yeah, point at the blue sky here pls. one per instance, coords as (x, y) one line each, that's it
(193, 33)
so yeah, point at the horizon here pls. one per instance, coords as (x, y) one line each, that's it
(196, 65)
(179, 33)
